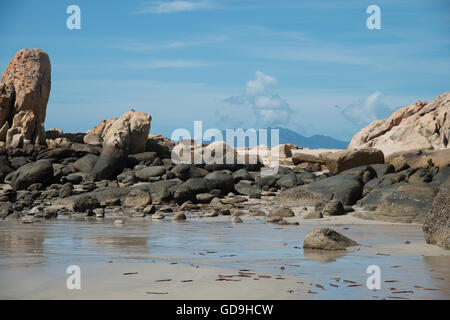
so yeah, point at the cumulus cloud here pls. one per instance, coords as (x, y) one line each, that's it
(269, 108)
(176, 6)
(364, 111)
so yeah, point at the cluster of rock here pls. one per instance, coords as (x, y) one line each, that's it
(119, 167)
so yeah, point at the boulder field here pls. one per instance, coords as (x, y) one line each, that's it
(395, 170)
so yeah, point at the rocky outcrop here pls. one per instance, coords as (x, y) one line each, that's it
(37, 172)
(24, 93)
(424, 126)
(437, 221)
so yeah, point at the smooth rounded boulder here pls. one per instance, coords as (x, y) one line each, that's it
(327, 239)
(40, 171)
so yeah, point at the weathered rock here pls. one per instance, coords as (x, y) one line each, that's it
(204, 197)
(150, 172)
(24, 93)
(109, 164)
(437, 221)
(299, 158)
(327, 239)
(333, 208)
(242, 174)
(85, 203)
(236, 219)
(179, 216)
(159, 144)
(222, 180)
(36, 172)
(401, 202)
(345, 188)
(347, 159)
(137, 198)
(281, 212)
(5, 168)
(420, 159)
(419, 126)
(86, 163)
(313, 215)
(247, 188)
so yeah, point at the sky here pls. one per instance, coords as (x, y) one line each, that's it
(311, 66)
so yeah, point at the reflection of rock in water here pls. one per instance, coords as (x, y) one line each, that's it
(21, 238)
(323, 256)
(121, 241)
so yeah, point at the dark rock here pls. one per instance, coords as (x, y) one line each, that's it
(345, 188)
(242, 174)
(383, 168)
(86, 163)
(437, 221)
(366, 173)
(222, 180)
(36, 172)
(147, 173)
(287, 181)
(440, 177)
(5, 168)
(247, 188)
(109, 165)
(333, 208)
(85, 203)
(204, 197)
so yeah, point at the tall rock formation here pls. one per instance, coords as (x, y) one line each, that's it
(24, 93)
(424, 126)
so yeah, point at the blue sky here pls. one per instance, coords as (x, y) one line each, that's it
(310, 66)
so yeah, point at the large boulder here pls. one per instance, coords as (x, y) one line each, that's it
(222, 180)
(418, 126)
(400, 202)
(121, 137)
(327, 239)
(345, 188)
(420, 159)
(24, 93)
(40, 171)
(347, 159)
(437, 221)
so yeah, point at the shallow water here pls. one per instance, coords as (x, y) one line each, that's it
(253, 245)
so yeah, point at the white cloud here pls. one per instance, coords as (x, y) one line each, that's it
(269, 107)
(364, 111)
(176, 6)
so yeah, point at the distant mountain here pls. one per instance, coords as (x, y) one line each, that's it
(313, 142)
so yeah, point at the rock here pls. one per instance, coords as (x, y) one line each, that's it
(24, 93)
(345, 188)
(85, 203)
(121, 137)
(86, 163)
(149, 210)
(137, 198)
(313, 215)
(366, 173)
(402, 202)
(281, 212)
(204, 197)
(288, 181)
(327, 239)
(242, 174)
(222, 180)
(143, 157)
(347, 159)
(274, 219)
(66, 190)
(419, 126)
(159, 144)
(179, 216)
(299, 158)
(247, 188)
(440, 177)
(118, 222)
(236, 219)
(197, 185)
(109, 164)
(420, 159)
(436, 227)
(383, 168)
(333, 208)
(36, 172)
(5, 168)
(158, 216)
(211, 214)
(150, 172)
(99, 212)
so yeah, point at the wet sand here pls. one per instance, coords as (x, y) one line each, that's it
(34, 258)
